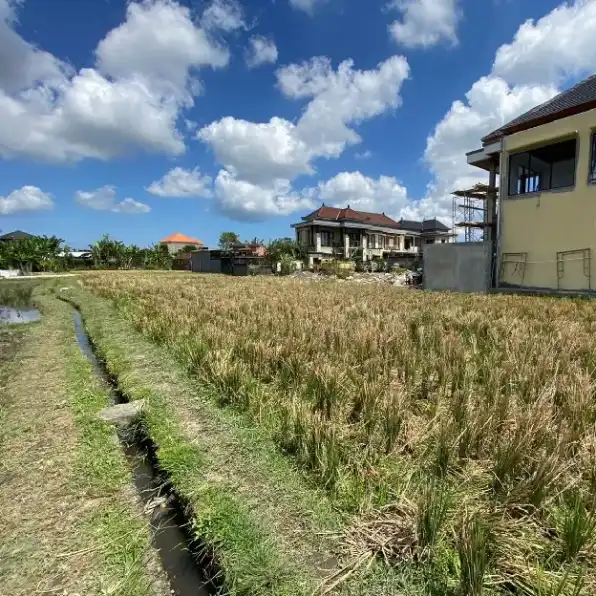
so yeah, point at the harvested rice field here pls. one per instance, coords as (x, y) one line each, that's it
(366, 439)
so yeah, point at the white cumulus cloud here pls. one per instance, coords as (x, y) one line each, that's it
(261, 50)
(258, 152)
(339, 100)
(144, 78)
(262, 158)
(243, 200)
(27, 198)
(308, 6)
(425, 23)
(160, 43)
(179, 182)
(104, 199)
(558, 46)
(376, 195)
(21, 63)
(226, 15)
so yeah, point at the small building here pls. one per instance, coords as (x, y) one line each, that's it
(331, 232)
(249, 249)
(542, 216)
(176, 242)
(219, 261)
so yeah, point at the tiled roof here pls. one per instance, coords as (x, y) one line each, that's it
(16, 235)
(347, 214)
(178, 238)
(375, 219)
(434, 225)
(579, 98)
(428, 225)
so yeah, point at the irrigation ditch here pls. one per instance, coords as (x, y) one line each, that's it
(189, 563)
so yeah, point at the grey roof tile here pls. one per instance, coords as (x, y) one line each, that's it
(579, 95)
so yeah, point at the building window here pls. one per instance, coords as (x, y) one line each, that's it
(544, 168)
(326, 238)
(592, 178)
(355, 240)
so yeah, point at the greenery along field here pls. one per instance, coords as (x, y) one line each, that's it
(458, 429)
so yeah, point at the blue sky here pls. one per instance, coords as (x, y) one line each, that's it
(146, 118)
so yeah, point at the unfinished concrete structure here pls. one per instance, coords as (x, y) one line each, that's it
(545, 233)
(458, 267)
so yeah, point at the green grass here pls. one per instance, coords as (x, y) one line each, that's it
(71, 522)
(17, 293)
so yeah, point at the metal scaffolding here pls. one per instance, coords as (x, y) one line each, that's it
(470, 211)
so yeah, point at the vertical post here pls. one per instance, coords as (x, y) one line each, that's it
(346, 245)
(490, 219)
(318, 241)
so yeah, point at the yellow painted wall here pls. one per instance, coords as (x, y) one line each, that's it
(545, 223)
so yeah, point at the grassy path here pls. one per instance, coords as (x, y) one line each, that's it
(69, 517)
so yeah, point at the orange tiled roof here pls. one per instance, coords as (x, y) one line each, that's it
(178, 238)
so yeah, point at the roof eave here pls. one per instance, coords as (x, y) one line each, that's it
(540, 121)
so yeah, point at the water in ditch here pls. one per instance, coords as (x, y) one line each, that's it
(169, 524)
(16, 316)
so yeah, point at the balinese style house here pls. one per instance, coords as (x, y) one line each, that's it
(176, 242)
(542, 214)
(331, 232)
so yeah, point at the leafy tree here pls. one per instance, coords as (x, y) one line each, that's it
(107, 253)
(157, 257)
(227, 240)
(282, 248)
(131, 257)
(39, 253)
(188, 248)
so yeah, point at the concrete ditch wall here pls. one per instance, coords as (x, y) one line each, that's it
(458, 267)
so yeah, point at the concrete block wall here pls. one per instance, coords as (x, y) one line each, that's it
(459, 267)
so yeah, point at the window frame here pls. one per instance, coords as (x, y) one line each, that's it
(355, 239)
(592, 162)
(329, 235)
(528, 152)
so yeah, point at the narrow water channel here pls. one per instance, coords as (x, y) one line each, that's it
(180, 554)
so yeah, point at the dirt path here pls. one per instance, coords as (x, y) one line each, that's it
(69, 519)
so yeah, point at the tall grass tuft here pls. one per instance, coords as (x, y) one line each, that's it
(578, 527)
(432, 512)
(473, 547)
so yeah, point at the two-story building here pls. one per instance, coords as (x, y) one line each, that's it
(331, 232)
(544, 228)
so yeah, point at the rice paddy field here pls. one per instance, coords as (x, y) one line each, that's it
(454, 433)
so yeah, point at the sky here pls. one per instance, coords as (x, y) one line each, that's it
(143, 118)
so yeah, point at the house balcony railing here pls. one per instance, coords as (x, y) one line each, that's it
(339, 249)
(413, 250)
